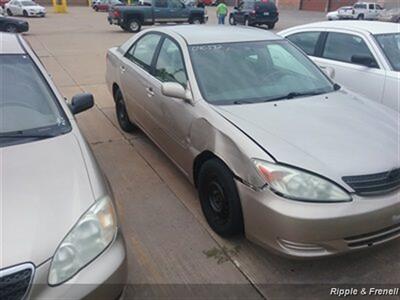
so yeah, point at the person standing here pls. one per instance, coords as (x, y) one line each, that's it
(222, 11)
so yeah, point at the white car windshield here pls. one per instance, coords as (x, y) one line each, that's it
(390, 45)
(250, 72)
(28, 3)
(27, 105)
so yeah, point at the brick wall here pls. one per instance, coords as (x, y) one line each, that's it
(291, 4)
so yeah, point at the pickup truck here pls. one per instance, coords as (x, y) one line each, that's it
(361, 11)
(132, 17)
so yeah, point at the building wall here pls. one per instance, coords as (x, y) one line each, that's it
(290, 4)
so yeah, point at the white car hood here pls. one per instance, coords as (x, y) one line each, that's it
(44, 190)
(334, 135)
(34, 7)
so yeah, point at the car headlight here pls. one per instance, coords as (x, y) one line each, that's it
(299, 185)
(90, 236)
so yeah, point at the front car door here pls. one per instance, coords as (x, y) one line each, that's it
(178, 11)
(171, 116)
(135, 70)
(161, 11)
(337, 52)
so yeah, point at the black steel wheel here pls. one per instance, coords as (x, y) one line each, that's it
(219, 198)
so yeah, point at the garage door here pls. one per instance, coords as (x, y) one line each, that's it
(317, 5)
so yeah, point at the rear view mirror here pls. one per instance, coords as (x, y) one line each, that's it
(364, 60)
(175, 90)
(81, 102)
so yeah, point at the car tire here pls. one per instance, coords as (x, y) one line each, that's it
(232, 20)
(11, 28)
(360, 17)
(134, 25)
(25, 13)
(271, 26)
(9, 12)
(122, 115)
(96, 8)
(196, 20)
(219, 198)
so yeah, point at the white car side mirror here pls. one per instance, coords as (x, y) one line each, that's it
(175, 90)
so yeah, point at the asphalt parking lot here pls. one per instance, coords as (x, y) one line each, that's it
(171, 249)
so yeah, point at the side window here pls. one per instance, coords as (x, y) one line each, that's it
(342, 46)
(175, 4)
(307, 41)
(371, 6)
(143, 50)
(161, 3)
(170, 66)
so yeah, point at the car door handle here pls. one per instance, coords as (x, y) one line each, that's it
(150, 92)
(122, 68)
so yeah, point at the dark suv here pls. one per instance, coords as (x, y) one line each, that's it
(255, 12)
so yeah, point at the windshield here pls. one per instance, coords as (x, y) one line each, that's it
(28, 108)
(28, 3)
(250, 72)
(390, 45)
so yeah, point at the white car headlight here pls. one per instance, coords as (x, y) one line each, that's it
(90, 236)
(299, 185)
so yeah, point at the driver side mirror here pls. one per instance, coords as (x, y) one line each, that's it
(175, 90)
(364, 60)
(81, 102)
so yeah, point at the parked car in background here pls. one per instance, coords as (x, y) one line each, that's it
(255, 12)
(361, 11)
(334, 15)
(24, 8)
(390, 15)
(13, 25)
(54, 197)
(131, 18)
(364, 55)
(105, 5)
(243, 113)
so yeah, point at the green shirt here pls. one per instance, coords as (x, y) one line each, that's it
(222, 9)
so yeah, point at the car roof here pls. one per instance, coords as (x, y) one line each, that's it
(10, 44)
(373, 27)
(206, 34)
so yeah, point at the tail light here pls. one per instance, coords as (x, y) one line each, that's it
(117, 13)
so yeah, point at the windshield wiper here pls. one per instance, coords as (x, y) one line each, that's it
(23, 135)
(237, 102)
(292, 95)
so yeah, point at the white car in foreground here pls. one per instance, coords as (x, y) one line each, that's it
(24, 8)
(363, 55)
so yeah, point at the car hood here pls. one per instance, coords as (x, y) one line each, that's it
(334, 135)
(44, 190)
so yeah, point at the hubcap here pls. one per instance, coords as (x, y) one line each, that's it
(12, 29)
(134, 26)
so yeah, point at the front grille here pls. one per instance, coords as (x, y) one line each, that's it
(374, 183)
(15, 282)
(374, 238)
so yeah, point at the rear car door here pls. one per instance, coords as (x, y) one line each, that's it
(171, 116)
(135, 70)
(337, 52)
